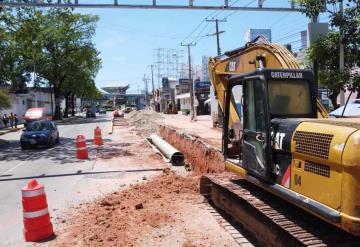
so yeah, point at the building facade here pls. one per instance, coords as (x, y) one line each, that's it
(29, 98)
(252, 34)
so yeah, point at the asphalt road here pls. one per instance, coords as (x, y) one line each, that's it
(63, 175)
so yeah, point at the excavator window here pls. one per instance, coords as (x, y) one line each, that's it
(287, 98)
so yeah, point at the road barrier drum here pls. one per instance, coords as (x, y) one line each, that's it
(81, 150)
(97, 136)
(37, 224)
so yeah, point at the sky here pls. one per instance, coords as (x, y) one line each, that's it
(127, 38)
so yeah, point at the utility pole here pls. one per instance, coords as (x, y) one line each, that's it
(152, 83)
(152, 78)
(341, 56)
(217, 33)
(191, 83)
(146, 90)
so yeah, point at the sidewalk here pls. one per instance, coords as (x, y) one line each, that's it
(4, 131)
(203, 127)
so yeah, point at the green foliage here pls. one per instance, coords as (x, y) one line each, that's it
(12, 70)
(57, 45)
(326, 49)
(311, 7)
(5, 100)
(349, 21)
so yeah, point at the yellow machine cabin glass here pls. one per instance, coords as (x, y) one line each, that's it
(289, 98)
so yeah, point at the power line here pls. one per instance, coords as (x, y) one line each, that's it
(249, 3)
(279, 20)
(291, 29)
(294, 42)
(288, 36)
(203, 21)
(198, 26)
(199, 34)
(217, 33)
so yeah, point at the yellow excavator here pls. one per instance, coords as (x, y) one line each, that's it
(277, 135)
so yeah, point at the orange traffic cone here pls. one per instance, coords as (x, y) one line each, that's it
(37, 224)
(97, 136)
(81, 150)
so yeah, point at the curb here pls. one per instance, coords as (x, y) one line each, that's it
(10, 130)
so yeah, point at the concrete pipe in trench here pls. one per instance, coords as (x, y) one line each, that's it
(174, 155)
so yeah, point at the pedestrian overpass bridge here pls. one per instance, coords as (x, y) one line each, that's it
(239, 5)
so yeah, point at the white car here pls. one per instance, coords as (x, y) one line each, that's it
(351, 110)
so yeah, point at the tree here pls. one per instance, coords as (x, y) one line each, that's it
(12, 74)
(84, 65)
(326, 50)
(5, 101)
(57, 45)
(65, 45)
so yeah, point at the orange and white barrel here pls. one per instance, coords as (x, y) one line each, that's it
(37, 224)
(81, 149)
(97, 136)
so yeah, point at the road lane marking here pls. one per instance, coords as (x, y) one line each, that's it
(13, 168)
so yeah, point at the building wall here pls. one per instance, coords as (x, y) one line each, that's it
(185, 104)
(31, 99)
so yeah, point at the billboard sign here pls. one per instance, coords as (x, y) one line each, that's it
(166, 87)
(202, 86)
(183, 86)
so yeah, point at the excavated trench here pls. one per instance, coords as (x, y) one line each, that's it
(203, 157)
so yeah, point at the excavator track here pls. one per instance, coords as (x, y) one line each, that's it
(271, 220)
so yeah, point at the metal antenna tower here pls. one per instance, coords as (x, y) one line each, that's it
(159, 60)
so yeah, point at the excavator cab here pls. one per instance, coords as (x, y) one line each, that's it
(266, 96)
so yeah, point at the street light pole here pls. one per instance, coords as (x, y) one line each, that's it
(191, 83)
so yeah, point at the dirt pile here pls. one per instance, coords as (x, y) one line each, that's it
(144, 121)
(165, 211)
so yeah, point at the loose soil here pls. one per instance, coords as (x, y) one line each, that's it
(145, 121)
(202, 157)
(156, 210)
(164, 211)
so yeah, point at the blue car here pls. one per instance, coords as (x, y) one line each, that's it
(39, 134)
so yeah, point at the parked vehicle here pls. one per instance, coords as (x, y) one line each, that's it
(102, 111)
(352, 110)
(39, 133)
(90, 113)
(128, 109)
(36, 114)
(118, 113)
